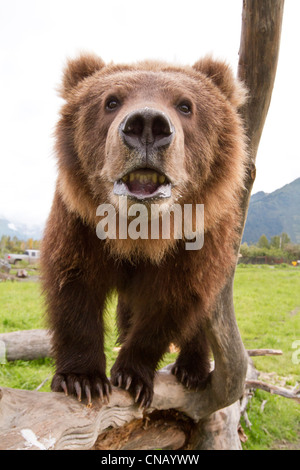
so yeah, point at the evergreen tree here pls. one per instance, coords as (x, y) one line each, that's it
(263, 242)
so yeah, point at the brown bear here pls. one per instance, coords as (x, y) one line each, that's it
(150, 134)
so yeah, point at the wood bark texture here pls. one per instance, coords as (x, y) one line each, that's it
(52, 421)
(26, 345)
(35, 420)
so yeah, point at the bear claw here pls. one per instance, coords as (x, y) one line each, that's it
(192, 381)
(82, 386)
(141, 391)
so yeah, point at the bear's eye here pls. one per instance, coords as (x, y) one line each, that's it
(112, 103)
(185, 107)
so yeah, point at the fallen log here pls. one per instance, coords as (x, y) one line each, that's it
(36, 344)
(48, 420)
(25, 345)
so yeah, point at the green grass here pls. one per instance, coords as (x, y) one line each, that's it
(278, 423)
(27, 375)
(267, 304)
(21, 306)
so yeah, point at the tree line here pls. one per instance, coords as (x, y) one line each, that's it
(277, 248)
(14, 245)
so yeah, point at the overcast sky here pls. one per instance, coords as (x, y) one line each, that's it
(36, 37)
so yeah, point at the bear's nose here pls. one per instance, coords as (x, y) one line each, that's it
(147, 127)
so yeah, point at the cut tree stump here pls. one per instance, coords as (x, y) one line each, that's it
(22, 273)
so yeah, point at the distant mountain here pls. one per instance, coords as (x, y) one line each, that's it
(21, 231)
(274, 213)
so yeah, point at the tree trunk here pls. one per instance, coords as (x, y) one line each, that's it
(258, 58)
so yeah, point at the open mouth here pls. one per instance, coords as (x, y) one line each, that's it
(143, 184)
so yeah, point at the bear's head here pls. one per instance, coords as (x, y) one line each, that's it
(154, 132)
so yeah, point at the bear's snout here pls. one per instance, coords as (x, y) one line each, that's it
(146, 130)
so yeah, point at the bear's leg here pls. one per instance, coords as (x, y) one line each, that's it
(76, 321)
(192, 366)
(123, 319)
(134, 369)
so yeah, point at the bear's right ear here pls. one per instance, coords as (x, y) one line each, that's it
(222, 76)
(77, 70)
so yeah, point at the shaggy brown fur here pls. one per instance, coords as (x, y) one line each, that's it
(164, 291)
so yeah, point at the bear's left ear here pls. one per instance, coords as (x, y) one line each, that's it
(77, 70)
(222, 76)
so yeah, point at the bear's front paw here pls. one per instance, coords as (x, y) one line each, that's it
(140, 385)
(83, 386)
(190, 376)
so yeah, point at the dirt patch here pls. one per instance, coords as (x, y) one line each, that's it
(285, 445)
(295, 311)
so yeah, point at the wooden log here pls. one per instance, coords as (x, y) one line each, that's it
(171, 423)
(34, 344)
(48, 420)
(36, 420)
(160, 430)
(26, 345)
(172, 430)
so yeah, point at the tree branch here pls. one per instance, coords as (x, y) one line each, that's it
(284, 392)
(264, 352)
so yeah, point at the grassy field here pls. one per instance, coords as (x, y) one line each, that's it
(267, 304)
